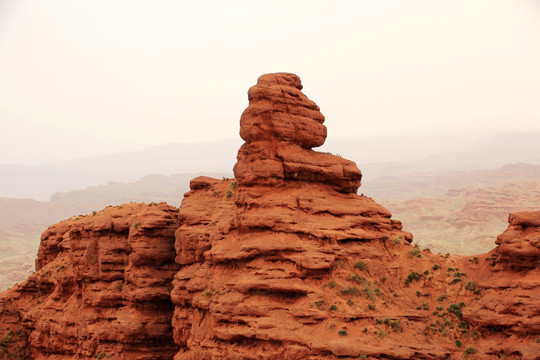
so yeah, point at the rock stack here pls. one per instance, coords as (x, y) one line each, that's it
(280, 126)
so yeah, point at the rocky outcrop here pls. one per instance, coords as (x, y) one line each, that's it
(285, 261)
(279, 127)
(101, 288)
(519, 245)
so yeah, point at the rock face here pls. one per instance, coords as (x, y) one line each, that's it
(101, 287)
(285, 261)
(519, 245)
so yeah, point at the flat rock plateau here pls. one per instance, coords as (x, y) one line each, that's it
(285, 261)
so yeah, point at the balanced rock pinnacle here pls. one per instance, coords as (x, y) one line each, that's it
(280, 126)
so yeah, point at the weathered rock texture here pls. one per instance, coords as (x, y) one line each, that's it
(285, 261)
(101, 288)
(507, 310)
(280, 126)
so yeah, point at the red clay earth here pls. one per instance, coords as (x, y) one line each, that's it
(285, 261)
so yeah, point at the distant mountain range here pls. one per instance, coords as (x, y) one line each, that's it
(376, 157)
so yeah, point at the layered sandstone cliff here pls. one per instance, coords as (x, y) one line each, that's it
(285, 261)
(101, 288)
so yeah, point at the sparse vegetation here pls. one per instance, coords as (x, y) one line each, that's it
(456, 309)
(331, 284)
(396, 325)
(228, 194)
(234, 184)
(352, 290)
(208, 293)
(413, 275)
(468, 351)
(442, 297)
(7, 338)
(472, 286)
(424, 306)
(362, 266)
(435, 267)
(320, 304)
(357, 279)
(397, 240)
(342, 332)
(415, 252)
(333, 308)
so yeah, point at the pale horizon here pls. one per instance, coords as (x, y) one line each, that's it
(88, 79)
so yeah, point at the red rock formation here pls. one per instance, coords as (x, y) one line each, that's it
(285, 261)
(519, 245)
(508, 310)
(280, 126)
(101, 288)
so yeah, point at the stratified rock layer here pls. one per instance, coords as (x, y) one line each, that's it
(101, 288)
(280, 126)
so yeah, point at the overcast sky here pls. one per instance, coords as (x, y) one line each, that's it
(84, 78)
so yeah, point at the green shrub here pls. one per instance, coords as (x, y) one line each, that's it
(320, 304)
(415, 251)
(412, 276)
(456, 309)
(472, 286)
(350, 291)
(396, 325)
(468, 351)
(442, 297)
(342, 332)
(362, 266)
(357, 279)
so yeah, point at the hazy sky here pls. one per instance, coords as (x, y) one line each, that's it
(83, 78)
